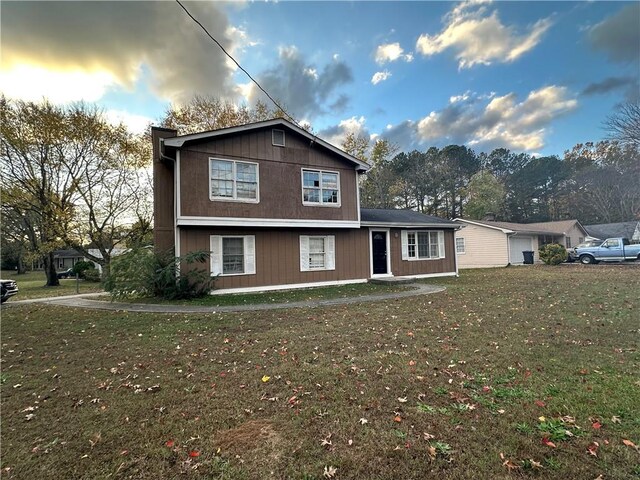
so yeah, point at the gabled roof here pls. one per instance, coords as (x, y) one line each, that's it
(379, 217)
(180, 140)
(558, 226)
(608, 230)
(510, 227)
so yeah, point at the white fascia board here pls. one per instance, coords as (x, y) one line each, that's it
(179, 141)
(409, 225)
(185, 221)
(503, 230)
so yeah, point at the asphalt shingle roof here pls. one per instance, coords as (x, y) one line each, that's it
(609, 230)
(402, 217)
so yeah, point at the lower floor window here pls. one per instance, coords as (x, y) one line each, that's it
(460, 245)
(317, 252)
(422, 245)
(233, 254)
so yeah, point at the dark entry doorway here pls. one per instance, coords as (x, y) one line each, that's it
(379, 252)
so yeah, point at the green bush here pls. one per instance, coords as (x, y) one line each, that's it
(553, 254)
(144, 273)
(91, 274)
(82, 266)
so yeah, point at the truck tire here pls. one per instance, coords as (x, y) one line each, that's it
(587, 260)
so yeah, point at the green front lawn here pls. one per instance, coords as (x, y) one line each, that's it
(509, 373)
(282, 296)
(31, 285)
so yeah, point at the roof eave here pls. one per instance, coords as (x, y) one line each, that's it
(409, 225)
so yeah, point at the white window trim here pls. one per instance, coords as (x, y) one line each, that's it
(245, 254)
(234, 198)
(405, 246)
(320, 203)
(329, 253)
(273, 131)
(464, 246)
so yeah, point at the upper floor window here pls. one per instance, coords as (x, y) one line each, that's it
(234, 180)
(320, 188)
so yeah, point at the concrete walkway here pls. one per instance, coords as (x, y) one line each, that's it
(81, 301)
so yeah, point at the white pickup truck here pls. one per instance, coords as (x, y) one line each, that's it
(611, 250)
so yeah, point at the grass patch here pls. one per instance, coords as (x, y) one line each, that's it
(282, 296)
(31, 285)
(366, 390)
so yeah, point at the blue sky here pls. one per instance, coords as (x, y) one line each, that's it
(530, 76)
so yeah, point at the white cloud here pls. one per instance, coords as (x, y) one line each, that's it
(72, 63)
(33, 83)
(336, 135)
(480, 37)
(502, 122)
(135, 123)
(390, 52)
(380, 77)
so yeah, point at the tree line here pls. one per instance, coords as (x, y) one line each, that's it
(71, 178)
(592, 182)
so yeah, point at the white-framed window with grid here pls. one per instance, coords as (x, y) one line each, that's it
(233, 180)
(320, 188)
(317, 252)
(460, 245)
(423, 245)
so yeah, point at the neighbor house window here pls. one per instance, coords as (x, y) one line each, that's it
(422, 245)
(317, 253)
(320, 188)
(233, 180)
(580, 240)
(568, 241)
(460, 245)
(233, 255)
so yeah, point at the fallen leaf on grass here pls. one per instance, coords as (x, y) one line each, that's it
(615, 419)
(540, 403)
(402, 399)
(597, 425)
(397, 418)
(194, 453)
(329, 472)
(265, 378)
(548, 443)
(427, 436)
(593, 448)
(169, 443)
(363, 421)
(629, 443)
(508, 463)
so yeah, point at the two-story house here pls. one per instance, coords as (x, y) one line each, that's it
(278, 207)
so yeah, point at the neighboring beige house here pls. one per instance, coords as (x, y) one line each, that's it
(485, 243)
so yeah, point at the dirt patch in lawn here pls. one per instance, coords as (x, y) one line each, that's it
(252, 435)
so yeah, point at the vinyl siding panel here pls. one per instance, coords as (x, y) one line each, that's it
(484, 247)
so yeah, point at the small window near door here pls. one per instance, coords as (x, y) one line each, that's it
(460, 245)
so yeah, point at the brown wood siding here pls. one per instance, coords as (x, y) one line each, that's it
(280, 180)
(401, 267)
(277, 255)
(163, 198)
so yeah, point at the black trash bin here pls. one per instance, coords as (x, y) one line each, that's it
(528, 257)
